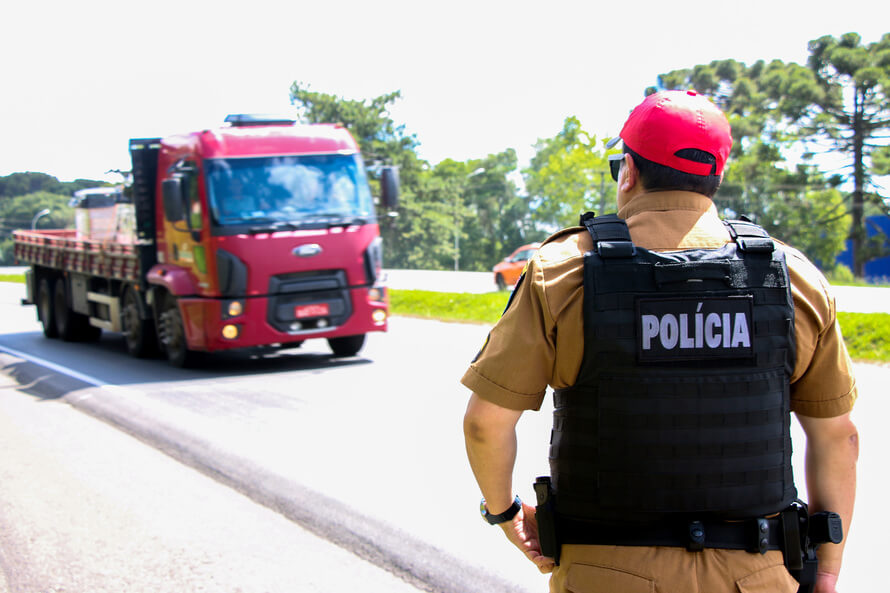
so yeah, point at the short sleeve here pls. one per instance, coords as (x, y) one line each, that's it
(823, 384)
(515, 364)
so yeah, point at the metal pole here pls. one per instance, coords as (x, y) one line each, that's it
(38, 216)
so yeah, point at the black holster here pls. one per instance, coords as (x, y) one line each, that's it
(545, 513)
(804, 534)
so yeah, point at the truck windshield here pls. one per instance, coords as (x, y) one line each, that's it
(288, 191)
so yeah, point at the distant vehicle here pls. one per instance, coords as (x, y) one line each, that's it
(507, 272)
(262, 233)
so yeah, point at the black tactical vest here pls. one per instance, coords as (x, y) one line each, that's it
(681, 406)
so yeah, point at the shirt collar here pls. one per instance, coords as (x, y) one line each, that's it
(667, 200)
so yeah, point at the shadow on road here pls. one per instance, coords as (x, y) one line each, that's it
(107, 361)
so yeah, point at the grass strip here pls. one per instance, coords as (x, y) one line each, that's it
(449, 306)
(867, 335)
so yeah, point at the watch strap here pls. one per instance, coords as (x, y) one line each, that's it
(501, 517)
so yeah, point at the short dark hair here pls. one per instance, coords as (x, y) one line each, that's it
(658, 177)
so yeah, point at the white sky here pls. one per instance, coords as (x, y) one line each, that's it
(79, 78)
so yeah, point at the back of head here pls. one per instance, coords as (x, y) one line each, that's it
(678, 140)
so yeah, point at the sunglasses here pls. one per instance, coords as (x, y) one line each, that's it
(615, 161)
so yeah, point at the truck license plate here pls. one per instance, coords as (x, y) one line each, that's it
(313, 310)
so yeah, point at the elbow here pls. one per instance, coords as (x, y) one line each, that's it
(474, 428)
(846, 435)
(853, 441)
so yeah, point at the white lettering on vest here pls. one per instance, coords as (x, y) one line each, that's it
(668, 333)
(650, 330)
(712, 324)
(714, 330)
(740, 335)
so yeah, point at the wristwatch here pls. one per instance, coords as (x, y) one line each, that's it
(503, 517)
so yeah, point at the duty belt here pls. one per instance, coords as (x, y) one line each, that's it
(753, 535)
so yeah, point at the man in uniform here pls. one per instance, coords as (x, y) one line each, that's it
(675, 147)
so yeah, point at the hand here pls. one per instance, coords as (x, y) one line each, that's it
(826, 582)
(522, 531)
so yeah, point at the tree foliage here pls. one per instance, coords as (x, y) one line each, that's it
(18, 212)
(851, 113)
(569, 175)
(446, 212)
(23, 195)
(19, 184)
(837, 101)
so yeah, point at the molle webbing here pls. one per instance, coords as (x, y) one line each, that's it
(689, 416)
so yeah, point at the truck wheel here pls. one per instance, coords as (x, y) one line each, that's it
(173, 335)
(45, 309)
(72, 326)
(140, 333)
(63, 313)
(347, 345)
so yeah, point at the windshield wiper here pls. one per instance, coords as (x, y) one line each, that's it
(345, 221)
(274, 225)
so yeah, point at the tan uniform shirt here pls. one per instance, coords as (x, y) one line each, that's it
(539, 341)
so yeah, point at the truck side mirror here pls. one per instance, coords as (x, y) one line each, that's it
(174, 209)
(389, 187)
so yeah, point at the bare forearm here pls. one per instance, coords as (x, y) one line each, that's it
(490, 438)
(831, 455)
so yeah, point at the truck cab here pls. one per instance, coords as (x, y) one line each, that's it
(265, 233)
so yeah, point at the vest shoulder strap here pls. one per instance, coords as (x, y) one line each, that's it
(611, 237)
(750, 237)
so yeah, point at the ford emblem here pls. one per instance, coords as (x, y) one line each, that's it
(307, 250)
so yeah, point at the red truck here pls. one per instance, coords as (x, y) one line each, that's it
(259, 233)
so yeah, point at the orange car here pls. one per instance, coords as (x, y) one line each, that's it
(507, 272)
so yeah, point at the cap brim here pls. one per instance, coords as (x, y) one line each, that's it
(611, 143)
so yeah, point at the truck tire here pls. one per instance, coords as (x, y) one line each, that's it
(173, 335)
(347, 345)
(71, 326)
(62, 312)
(139, 333)
(45, 309)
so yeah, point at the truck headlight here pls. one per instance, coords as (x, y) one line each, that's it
(234, 309)
(231, 331)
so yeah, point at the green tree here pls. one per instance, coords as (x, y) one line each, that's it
(494, 218)
(777, 108)
(383, 143)
(19, 184)
(18, 213)
(816, 222)
(569, 175)
(850, 109)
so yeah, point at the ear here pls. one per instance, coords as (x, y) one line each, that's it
(629, 176)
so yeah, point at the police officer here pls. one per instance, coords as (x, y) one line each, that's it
(676, 348)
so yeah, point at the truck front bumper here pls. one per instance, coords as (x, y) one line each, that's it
(265, 321)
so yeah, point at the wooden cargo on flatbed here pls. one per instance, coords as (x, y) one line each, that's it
(62, 250)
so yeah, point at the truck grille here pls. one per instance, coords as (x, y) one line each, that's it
(326, 290)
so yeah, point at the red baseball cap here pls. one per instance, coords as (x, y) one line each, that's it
(668, 121)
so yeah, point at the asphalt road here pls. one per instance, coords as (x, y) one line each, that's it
(364, 453)
(86, 508)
